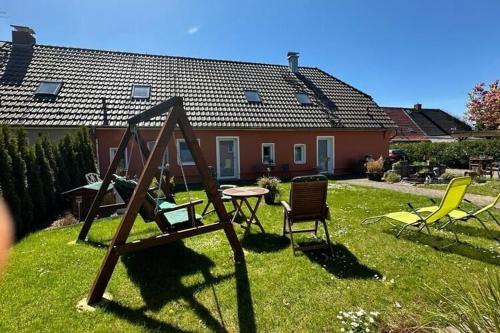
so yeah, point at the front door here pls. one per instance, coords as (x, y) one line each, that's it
(325, 157)
(228, 158)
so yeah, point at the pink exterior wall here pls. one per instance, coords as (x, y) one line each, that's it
(349, 148)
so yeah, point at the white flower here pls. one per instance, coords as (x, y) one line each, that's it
(342, 330)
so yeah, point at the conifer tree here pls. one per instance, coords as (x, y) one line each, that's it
(35, 187)
(47, 177)
(6, 180)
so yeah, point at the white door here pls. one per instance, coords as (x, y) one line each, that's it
(325, 154)
(228, 158)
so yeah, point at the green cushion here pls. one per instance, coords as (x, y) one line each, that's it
(176, 216)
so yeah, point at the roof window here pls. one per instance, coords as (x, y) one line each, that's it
(303, 98)
(141, 91)
(49, 88)
(253, 96)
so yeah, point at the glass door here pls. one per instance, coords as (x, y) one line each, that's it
(325, 154)
(227, 157)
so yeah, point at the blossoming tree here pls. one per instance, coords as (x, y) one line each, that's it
(483, 107)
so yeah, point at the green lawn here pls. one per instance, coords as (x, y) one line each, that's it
(491, 187)
(195, 285)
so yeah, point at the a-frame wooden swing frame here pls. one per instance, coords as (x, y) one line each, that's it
(119, 246)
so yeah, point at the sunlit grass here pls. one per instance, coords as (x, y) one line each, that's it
(195, 285)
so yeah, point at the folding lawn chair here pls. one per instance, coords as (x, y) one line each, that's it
(224, 198)
(307, 204)
(451, 200)
(460, 214)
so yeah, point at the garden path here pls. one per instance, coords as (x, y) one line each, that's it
(480, 200)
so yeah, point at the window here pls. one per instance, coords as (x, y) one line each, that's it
(123, 164)
(183, 154)
(252, 96)
(299, 153)
(303, 98)
(141, 91)
(268, 153)
(49, 88)
(151, 145)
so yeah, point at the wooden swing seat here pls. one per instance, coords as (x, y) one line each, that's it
(174, 216)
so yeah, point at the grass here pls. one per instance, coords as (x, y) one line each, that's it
(490, 188)
(195, 285)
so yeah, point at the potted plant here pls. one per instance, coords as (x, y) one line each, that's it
(375, 169)
(273, 185)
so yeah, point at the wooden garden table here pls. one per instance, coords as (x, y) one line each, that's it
(240, 196)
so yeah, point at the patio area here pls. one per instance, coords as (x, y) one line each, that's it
(196, 286)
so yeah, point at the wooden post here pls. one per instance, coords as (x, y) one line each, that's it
(104, 186)
(131, 212)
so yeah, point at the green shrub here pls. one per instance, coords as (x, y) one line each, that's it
(452, 154)
(392, 177)
(470, 312)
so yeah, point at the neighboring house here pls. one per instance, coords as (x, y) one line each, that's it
(297, 119)
(419, 124)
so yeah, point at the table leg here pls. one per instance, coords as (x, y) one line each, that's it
(253, 214)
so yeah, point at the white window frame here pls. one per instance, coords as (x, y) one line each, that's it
(273, 152)
(177, 147)
(111, 156)
(333, 150)
(138, 85)
(222, 138)
(151, 145)
(304, 159)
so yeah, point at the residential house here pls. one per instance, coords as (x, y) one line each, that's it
(247, 116)
(422, 124)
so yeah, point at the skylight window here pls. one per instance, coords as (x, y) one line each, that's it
(49, 88)
(253, 96)
(141, 91)
(303, 98)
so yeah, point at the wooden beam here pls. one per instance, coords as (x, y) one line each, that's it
(138, 196)
(104, 186)
(208, 181)
(166, 238)
(155, 111)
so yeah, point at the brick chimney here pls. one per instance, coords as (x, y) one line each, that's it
(293, 61)
(23, 36)
(418, 107)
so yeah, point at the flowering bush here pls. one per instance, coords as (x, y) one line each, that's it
(358, 321)
(483, 107)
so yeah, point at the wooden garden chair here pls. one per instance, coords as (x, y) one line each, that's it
(220, 189)
(307, 204)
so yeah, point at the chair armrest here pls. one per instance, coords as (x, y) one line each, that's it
(415, 211)
(432, 200)
(181, 206)
(286, 206)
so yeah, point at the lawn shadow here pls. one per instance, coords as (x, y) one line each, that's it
(344, 264)
(449, 245)
(139, 318)
(246, 316)
(158, 273)
(476, 232)
(264, 242)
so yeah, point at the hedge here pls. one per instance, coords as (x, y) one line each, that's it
(453, 154)
(33, 176)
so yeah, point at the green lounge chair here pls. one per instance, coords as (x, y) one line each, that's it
(451, 200)
(169, 214)
(460, 214)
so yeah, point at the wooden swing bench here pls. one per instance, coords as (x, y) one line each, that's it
(174, 221)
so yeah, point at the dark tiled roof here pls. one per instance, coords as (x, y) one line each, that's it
(212, 91)
(429, 122)
(407, 128)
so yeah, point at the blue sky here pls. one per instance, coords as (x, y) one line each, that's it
(399, 52)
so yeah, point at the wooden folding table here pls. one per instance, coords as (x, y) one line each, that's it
(240, 196)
